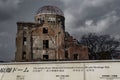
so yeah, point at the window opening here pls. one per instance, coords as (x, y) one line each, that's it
(45, 44)
(45, 30)
(75, 56)
(24, 40)
(24, 55)
(66, 54)
(45, 57)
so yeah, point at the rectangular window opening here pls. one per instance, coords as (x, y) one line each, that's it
(75, 56)
(45, 57)
(45, 30)
(24, 55)
(25, 28)
(66, 54)
(45, 44)
(24, 40)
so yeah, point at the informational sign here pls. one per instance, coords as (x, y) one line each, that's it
(75, 70)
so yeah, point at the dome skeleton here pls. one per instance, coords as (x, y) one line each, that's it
(50, 10)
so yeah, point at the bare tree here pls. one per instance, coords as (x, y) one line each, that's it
(100, 46)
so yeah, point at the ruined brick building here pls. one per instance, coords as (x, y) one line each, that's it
(46, 39)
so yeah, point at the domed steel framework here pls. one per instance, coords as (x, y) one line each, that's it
(50, 10)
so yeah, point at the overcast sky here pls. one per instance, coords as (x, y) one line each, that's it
(82, 16)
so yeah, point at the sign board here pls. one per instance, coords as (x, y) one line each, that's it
(61, 70)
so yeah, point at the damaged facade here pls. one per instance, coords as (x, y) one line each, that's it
(46, 39)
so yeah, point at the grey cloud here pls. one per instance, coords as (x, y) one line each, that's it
(4, 16)
(5, 34)
(100, 25)
(8, 8)
(6, 46)
(98, 12)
